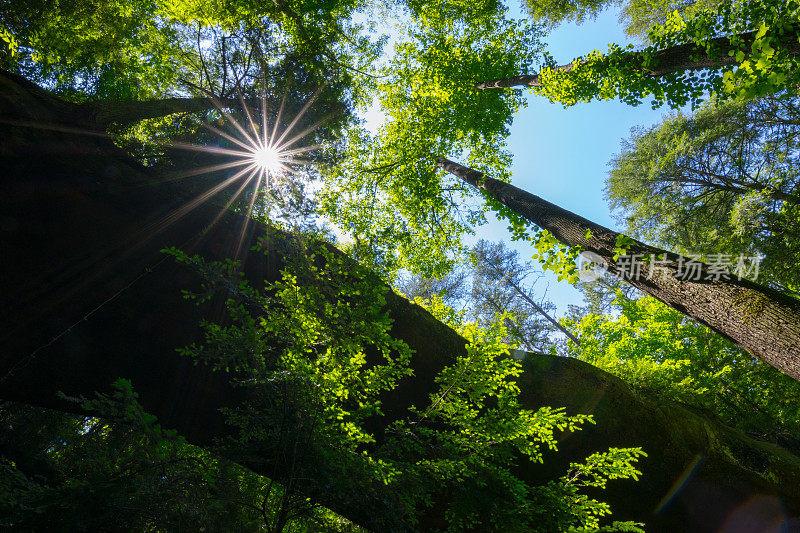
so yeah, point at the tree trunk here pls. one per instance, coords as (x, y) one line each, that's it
(688, 56)
(764, 322)
(86, 297)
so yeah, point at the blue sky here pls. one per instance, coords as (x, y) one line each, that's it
(562, 154)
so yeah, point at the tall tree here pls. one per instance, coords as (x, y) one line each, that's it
(108, 49)
(761, 320)
(637, 16)
(493, 284)
(502, 285)
(400, 213)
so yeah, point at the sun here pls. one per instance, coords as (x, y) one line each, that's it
(268, 159)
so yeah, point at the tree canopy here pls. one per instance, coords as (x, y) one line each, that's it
(722, 180)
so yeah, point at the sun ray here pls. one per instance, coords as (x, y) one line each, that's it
(227, 115)
(304, 162)
(208, 169)
(302, 150)
(299, 115)
(309, 129)
(247, 218)
(241, 188)
(264, 162)
(221, 133)
(55, 127)
(182, 211)
(278, 118)
(264, 122)
(264, 155)
(207, 148)
(249, 118)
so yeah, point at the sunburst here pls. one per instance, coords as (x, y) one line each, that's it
(264, 154)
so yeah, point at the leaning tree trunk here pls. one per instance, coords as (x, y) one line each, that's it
(86, 297)
(764, 322)
(690, 56)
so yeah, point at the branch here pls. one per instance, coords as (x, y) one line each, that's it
(689, 56)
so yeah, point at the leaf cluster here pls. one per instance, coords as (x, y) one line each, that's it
(661, 352)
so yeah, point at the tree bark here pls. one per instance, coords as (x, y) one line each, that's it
(688, 56)
(764, 322)
(86, 297)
